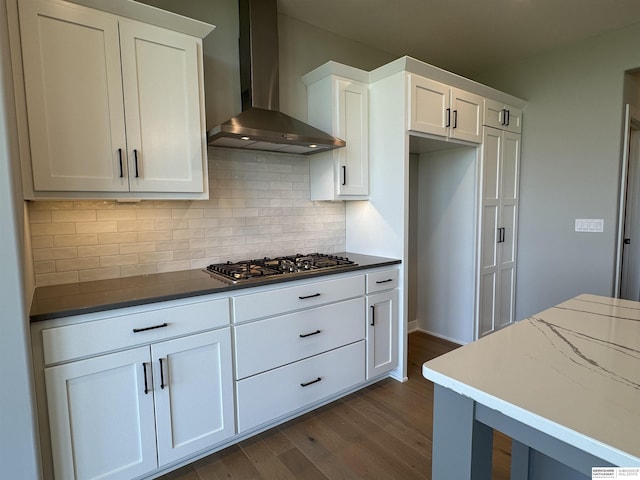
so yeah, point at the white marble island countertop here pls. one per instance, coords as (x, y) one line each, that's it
(572, 371)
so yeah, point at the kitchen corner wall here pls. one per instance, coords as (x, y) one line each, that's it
(259, 205)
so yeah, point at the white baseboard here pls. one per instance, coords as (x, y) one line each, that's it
(448, 339)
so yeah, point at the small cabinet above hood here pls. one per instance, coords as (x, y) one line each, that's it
(261, 126)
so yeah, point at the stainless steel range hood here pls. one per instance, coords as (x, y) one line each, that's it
(261, 126)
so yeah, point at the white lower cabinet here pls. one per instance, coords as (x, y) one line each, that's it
(121, 415)
(382, 322)
(101, 420)
(382, 333)
(275, 393)
(193, 393)
(132, 393)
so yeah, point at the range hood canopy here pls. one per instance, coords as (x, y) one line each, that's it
(261, 126)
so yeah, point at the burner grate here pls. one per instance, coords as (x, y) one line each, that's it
(247, 270)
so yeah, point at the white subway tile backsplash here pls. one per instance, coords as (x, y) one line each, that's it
(75, 240)
(98, 274)
(96, 227)
(55, 253)
(38, 229)
(123, 237)
(77, 264)
(98, 250)
(259, 206)
(73, 216)
(57, 278)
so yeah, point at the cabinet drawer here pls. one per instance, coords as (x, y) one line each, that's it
(382, 280)
(90, 338)
(267, 344)
(272, 394)
(283, 300)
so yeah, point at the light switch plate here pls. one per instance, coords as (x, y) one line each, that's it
(590, 225)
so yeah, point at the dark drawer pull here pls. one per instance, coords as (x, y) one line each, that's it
(309, 296)
(305, 335)
(311, 382)
(138, 330)
(385, 281)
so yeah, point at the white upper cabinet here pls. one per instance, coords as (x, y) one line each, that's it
(438, 109)
(504, 117)
(113, 105)
(340, 106)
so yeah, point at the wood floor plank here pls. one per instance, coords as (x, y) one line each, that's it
(269, 465)
(301, 466)
(322, 446)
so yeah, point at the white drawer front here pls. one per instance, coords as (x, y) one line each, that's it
(97, 336)
(382, 280)
(272, 394)
(283, 300)
(267, 344)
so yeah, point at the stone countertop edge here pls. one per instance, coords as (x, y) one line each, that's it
(58, 301)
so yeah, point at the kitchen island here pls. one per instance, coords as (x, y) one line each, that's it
(563, 384)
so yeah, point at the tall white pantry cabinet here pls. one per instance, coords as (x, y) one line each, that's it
(430, 198)
(498, 228)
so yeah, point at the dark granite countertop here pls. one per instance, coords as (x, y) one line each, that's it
(57, 301)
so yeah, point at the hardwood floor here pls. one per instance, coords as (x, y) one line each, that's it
(381, 432)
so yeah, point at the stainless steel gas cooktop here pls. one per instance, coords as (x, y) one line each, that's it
(246, 270)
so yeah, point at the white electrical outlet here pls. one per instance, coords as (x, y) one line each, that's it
(590, 225)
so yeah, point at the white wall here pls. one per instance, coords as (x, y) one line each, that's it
(571, 150)
(17, 440)
(446, 231)
(303, 47)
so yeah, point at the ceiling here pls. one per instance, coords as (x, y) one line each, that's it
(465, 36)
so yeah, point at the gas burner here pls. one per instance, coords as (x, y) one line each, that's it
(235, 272)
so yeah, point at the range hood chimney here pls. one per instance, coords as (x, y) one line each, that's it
(261, 126)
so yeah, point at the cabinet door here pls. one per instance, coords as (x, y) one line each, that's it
(101, 419)
(71, 61)
(509, 221)
(160, 75)
(382, 333)
(429, 106)
(353, 127)
(466, 116)
(504, 117)
(513, 122)
(193, 393)
(500, 174)
(489, 223)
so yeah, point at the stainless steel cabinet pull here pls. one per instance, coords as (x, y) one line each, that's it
(311, 382)
(162, 385)
(508, 117)
(138, 330)
(503, 120)
(305, 335)
(120, 158)
(144, 372)
(455, 119)
(385, 281)
(309, 296)
(344, 174)
(135, 157)
(373, 316)
(501, 232)
(448, 118)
